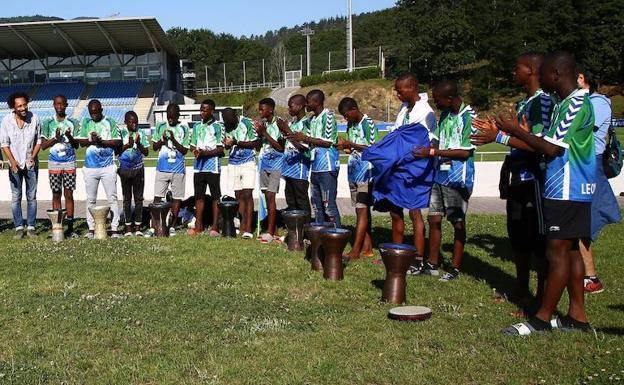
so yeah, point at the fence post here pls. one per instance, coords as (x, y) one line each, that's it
(263, 76)
(224, 77)
(206, 71)
(244, 77)
(329, 61)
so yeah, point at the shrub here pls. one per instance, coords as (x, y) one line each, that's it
(362, 74)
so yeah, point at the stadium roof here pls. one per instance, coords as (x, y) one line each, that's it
(36, 40)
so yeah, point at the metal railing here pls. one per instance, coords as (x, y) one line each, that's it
(238, 88)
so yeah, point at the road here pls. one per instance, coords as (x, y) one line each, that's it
(281, 95)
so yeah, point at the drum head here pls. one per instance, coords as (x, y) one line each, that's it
(410, 313)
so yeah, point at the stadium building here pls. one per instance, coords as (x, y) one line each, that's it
(126, 63)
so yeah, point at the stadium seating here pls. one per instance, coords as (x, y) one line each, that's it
(8, 90)
(116, 97)
(44, 94)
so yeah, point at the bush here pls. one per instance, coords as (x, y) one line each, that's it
(362, 74)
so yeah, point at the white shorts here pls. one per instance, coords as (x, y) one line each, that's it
(242, 176)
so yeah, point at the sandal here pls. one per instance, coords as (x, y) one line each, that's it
(569, 324)
(215, 234)
(193, 232)
(526, 328)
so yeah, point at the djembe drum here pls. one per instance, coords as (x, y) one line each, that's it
(228, 212)
(159, 212)
(410, 313)
(333, 242)
(396, 258)
(312, 234)
(57, 217)
(294, 220)
(100, 214)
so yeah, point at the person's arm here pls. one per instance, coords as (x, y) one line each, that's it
(158, 139)
(489, 133)
(49, 142)
(261, 130)
(509, 123)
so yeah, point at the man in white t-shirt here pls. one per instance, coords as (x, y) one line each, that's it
(414, 109)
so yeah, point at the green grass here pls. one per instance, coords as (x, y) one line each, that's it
(205, 311)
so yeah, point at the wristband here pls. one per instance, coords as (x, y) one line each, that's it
(432, 152)
(502, 138)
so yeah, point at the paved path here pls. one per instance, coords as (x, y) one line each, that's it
(281, 95)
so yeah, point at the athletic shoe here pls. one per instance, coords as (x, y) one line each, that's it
(71, 235)
(19, 234)
(128, 234)
(172, 232)
(149, 233)
(450, 275)
(89, 235)
(593, 285)
(415, 268)
(430, 269)
(116, 235)
(30, 233)
(138, 233)
(247, 235)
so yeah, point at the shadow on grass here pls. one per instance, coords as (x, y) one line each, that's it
(378, 283)
(618, 307)
(611, 330)
(497, 247)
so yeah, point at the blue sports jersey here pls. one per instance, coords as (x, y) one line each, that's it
(96, 156)
(296, 163)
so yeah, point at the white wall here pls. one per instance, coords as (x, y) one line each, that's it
(486, 183)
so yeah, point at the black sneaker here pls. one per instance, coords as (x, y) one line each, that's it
(430, 269)
(452, 274)
(415, 268)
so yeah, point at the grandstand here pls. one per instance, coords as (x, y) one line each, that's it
(126, 63)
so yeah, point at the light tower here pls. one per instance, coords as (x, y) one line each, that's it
(349, 36)
(307, 32)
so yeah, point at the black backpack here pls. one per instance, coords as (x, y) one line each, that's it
(612, 156)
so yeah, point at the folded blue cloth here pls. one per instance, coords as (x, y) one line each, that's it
(398, 177)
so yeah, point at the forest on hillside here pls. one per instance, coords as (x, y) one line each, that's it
(475, 39)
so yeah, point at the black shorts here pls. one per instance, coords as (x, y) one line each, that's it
(567, 219)
(525, 218)
(202, 180)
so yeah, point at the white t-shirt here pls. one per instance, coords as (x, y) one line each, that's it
(421, 113)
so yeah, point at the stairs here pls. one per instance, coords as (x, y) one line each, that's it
(145, 101)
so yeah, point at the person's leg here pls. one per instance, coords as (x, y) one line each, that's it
(361, 231)
(16, 180)
(576, 289)
(317, 197)
(137, 190)
(249, 208)
(31, 197)
(214, 183)
(178, 182)
(398, 224)
(588, 259)
(57, 189)
(435, 238)
(330, 187)
(126, 191)
(200, 183)
(367, 246)
(558, 254)
(271, 211)
(109, 181)
(436, 211)
(459, 242)
(301, 187)
(289, 194)
(69, 206)
(91, 186)
(418, 224)
(242, 209)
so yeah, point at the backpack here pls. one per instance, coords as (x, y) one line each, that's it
(612, 156)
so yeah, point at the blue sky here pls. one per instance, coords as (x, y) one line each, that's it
(238, 17)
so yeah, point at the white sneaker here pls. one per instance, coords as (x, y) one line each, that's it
(89, 235)
(116, 236)
(247, 235)
(128, 234)
(172, 232)
(149, 233)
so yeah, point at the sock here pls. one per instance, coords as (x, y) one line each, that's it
(538, 324)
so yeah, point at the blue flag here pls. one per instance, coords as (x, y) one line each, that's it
(398, 177)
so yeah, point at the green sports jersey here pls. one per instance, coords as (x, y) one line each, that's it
(571, 175)
(132, 158)
(207, 136)
(62, 151)
(106, 129)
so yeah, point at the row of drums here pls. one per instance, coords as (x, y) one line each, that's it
(322, 242)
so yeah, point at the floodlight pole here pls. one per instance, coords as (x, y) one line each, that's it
(307, 32)
(349, 36)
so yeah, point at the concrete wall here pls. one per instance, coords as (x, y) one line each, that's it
(486, 183)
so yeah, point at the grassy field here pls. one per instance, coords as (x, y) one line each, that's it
(205, 311)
